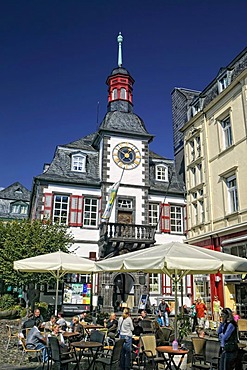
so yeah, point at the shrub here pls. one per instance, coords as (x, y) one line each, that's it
(7, 302)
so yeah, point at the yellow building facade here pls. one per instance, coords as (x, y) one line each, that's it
(215, 156)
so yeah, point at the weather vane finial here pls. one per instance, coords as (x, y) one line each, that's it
(120, 40)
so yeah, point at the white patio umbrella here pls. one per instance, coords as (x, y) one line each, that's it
(176, 260)
(58, 264)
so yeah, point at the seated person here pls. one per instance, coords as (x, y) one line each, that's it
(84, 318)
(35, 340)
(138, 330)
(50, 324)
(111, 325)
(37, 315)
(200, 332)
(61, 321)
(143, 315)
(77, 328)
(33, 320)
(57, 333)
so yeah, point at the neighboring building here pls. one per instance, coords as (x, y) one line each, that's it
(149, 205)
(215, 152)
(14, 202)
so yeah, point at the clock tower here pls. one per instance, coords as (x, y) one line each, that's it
(123, 144)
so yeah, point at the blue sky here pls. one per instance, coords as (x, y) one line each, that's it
(55, 56)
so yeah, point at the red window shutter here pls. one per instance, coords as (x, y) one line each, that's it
(189, 284)
(47, 213)
(100, 209)
(185, 220)
(165, 218)
(75, 217)
(167, 286)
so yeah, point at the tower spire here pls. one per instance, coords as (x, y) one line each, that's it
(120, 40)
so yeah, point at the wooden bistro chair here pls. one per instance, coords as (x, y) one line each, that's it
(26, 351)
(12, 335)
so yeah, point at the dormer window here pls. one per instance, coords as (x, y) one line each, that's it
(19, 208)
(224, 81)
(161, 172)
(197, 106)
(78, 162)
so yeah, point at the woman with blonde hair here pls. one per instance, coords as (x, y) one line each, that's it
(125, 328)
(111, 325)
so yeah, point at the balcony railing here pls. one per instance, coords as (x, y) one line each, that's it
(116, 236)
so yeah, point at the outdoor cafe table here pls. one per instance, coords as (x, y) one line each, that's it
(68, 335)
(88, 327)
(91, 346)
(171, 354)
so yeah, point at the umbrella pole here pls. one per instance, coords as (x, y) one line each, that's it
(176, 304)
(56, 299)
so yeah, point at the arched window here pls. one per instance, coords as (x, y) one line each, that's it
(123, 94)
(114, 94)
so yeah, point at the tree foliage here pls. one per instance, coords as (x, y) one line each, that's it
(24, 239)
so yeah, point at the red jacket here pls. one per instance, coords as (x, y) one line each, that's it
(200, 308)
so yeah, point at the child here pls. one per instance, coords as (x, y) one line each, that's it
(235, 316)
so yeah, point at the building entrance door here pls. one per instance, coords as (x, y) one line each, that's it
(123, 291)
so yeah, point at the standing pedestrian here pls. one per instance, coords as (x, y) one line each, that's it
(216, 310)
(201, 311)
(164, 311)
(125, 328)
(193, 314)
(228, 337)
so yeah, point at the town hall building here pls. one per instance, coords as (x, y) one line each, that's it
(148, 206)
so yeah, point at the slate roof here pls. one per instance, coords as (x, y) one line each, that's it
(124, 122)
(173, 186)
(60, 168)
(210, 92)
(84, 143)
(16, 191)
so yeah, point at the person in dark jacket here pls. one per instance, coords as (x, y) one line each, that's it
(111, 325)
(228, 339)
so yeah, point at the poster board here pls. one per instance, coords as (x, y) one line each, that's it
(143, 302)
(77, 293)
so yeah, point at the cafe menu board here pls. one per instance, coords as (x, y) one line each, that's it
(77, 293)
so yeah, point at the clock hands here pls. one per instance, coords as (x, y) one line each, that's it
(125, 153)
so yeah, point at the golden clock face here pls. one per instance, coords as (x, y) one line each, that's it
(126, 155)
